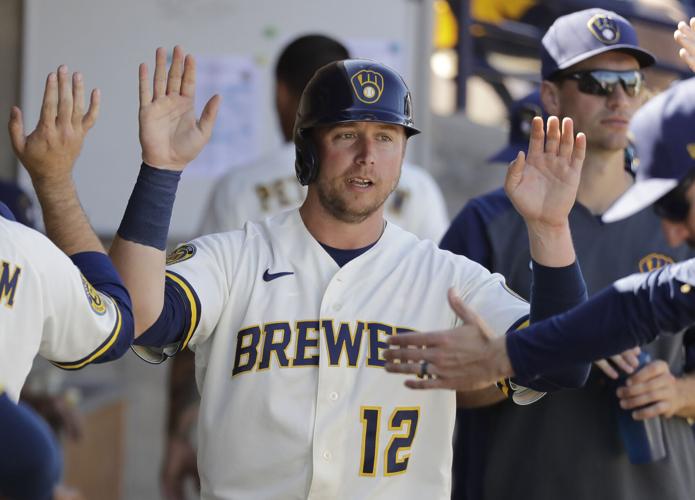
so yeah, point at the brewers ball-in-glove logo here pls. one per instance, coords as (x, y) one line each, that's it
(368, 85)
(93, 297)
(604, 28)
(181, 253)
(654, 261)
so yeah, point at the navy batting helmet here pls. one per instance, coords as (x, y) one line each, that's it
(353, 90)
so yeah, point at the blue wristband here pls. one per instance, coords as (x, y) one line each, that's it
(148, 214)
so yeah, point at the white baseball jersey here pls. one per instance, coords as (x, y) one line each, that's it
(288, 346)
(47, 307)
(269, 186)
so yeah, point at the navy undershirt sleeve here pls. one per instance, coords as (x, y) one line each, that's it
(98, 269)
(30, 465)
(555, 290)
(173, 322)
(630, 313)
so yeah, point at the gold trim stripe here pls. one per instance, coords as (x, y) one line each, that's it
(90, 358)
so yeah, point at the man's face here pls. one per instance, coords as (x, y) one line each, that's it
(679, 232)
(604, 119)
(359, 166)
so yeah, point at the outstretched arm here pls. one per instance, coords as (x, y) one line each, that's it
(82, 334)
(171, 137)
(631, 312)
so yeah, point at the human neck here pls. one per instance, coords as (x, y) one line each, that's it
(603, 180)
(327, 229)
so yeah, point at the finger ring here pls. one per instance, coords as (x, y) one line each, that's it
(423, 369)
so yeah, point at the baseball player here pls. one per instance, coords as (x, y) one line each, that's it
(591, 63)
(72, 312)
(268, 186)
(289, 317)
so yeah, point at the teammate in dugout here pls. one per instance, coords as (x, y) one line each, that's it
(285, 317)
(591, 72)
(71, 310)
(631, 312)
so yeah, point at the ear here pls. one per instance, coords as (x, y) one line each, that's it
(550, 98)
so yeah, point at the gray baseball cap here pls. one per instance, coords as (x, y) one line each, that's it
(578, 36)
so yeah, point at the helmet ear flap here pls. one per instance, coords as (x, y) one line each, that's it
(306, 162)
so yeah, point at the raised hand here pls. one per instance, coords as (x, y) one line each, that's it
(50, 151)
(685, 36)
(170, 135)
(543, 185)
(463, 358)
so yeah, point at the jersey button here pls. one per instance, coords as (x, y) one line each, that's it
(327, 455)
(333, 396)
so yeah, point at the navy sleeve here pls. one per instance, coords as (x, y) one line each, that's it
(30, 465)
(98, 269)
(630, 313)
(553, 291)
(173, 323)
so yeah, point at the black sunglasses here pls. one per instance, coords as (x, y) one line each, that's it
(603, 82)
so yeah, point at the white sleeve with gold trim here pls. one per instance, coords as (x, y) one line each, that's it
(47, 307)
(199, 273)
(488, 294)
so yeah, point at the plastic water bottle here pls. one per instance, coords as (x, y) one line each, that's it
(643, 439)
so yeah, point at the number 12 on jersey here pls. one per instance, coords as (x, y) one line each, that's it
(402, 424)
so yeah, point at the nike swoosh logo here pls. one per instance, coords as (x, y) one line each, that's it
(267, 276)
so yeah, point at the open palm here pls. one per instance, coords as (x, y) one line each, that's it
(543, 185)
(51, 149)
(170, 134)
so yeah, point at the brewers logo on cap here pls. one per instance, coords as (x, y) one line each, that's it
(604, 29)
(368, 85)
(653, 261)
(691, 149)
